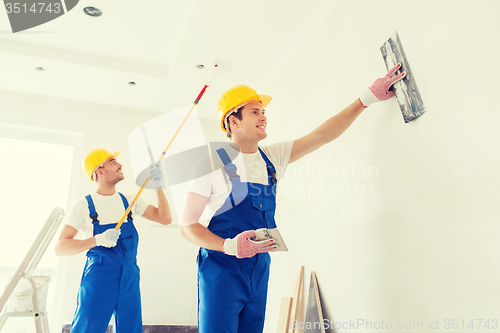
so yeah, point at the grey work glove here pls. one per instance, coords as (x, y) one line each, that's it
(156, 176)
(107, 238)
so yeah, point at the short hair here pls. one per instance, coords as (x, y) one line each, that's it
(94, 173)
(239, 115)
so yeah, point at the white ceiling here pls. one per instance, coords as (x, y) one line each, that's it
(157, 44)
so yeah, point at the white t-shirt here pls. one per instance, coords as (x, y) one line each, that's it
(250, 167)
(109, 208)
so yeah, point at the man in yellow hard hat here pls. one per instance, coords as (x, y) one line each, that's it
(110, 281)
(233, 269)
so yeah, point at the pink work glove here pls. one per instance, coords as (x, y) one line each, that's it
(242, 246)
(379, 91)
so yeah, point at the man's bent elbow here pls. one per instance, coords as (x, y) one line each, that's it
(58, 250)
(166, 220)
(185, 232)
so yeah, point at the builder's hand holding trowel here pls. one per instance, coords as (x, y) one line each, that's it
(379, 91)
(242, 246)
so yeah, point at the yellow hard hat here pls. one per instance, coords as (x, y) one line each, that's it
(94, 159)
(237, 96)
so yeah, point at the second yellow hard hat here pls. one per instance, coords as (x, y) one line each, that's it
(95, 158)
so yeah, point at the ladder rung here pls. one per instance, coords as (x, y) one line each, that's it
(21, 314)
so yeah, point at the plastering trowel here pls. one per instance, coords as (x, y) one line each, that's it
(406, 90)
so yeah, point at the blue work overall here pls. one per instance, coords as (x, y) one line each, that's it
(232, 292)
(110, 282)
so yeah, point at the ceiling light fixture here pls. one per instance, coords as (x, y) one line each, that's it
(41, 69)
(200, 66)
(132, 83)
(92, 11)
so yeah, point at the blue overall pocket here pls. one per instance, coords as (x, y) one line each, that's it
(267, 206)
(201, 258)
(263, 203)
(129, 247)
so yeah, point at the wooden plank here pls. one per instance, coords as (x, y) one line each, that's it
(284, 318)
(314, 312)
(297, 295)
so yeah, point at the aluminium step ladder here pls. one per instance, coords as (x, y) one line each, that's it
(26, 269)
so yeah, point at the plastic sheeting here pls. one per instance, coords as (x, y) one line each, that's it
(148, 141)
(188, 157)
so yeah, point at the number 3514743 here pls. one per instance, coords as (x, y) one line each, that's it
(35, 8)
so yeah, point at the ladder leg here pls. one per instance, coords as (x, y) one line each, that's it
(45, 324)
(38, 324)
(2, 322)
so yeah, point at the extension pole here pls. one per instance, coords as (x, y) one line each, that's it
(118, 226)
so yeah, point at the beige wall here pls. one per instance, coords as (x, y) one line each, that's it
(419, 243)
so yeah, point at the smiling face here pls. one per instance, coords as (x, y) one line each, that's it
(253, 123)
(110, 172)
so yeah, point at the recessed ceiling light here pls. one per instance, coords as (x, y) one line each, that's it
(92, 11)
(132, 83)
(41, 69)
(200, 66)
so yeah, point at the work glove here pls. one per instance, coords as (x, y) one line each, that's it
(107, 238)
(242, 246)
(379, 91)
(156, 176)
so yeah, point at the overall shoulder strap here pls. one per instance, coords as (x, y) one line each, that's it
(93, 214)
(125, 203)
(228, 165)
(271, 171)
